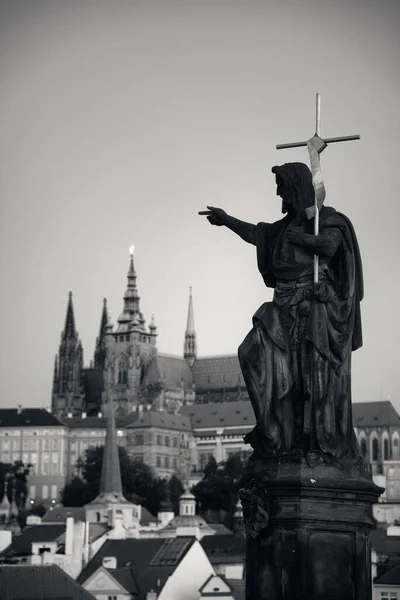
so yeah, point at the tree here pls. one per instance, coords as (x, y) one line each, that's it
(16, 473)
(216, 494)
(138, 482)
(176, 490)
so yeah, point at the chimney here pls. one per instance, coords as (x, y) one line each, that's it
(109, 562)
(86, 544)
(69, 536)
(83, 415)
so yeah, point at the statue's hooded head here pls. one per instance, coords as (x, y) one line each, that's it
(294, 186)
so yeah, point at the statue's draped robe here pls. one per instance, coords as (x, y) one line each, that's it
(296, 361)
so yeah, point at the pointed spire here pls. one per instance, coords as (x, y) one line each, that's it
(55, 375)
(100, 350)
(110, 480)
(69, 327)
(152, 326)
(190, 317)
(190, 346)
(131, 315)
(67, 393)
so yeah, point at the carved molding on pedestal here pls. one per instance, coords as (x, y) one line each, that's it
(256, 508)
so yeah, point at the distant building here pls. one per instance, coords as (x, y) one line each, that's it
(150, 569)
(128, 368)
(377, 425)
(36, 437)
(87, 432)
(161, 440)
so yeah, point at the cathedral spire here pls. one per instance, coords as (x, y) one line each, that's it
(131, 315)
(190, 346)
(55, 374)
(67, 393)
(69, 327)
(100, 350)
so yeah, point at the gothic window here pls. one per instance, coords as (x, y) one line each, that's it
(395, 446)
(364, 447)
(375, 449)
(122, 371)
(385, 449)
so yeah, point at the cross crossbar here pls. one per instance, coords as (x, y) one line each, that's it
(345, 138)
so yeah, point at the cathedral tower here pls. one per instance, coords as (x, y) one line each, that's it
(100, 349)
(190, 346)
(129, 349)
(68, 389)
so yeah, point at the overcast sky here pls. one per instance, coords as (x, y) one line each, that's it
(119, 120)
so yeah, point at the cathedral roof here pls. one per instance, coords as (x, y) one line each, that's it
(168, 370)
(217, 372)
(375, 414)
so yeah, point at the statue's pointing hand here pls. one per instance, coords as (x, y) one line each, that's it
(216, 216)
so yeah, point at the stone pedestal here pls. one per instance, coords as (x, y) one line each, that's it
(308, 531)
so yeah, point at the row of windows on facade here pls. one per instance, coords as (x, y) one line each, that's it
(138, 439)
(6, 445)
(48, 492)
(49, 464)
(125, 337)
(374, 450)
(204, 457)
(167, 464)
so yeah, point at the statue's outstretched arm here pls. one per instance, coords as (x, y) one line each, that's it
(217, 216)
(247, 231)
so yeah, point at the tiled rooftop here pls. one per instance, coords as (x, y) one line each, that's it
(160, 420)
(21, 544)
(47, 582)
(217, 372)
(375, 414)
(28, 417)
(220, 414)
(152, 561)
(171, 370)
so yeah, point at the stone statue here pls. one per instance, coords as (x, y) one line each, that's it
(296, 360)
